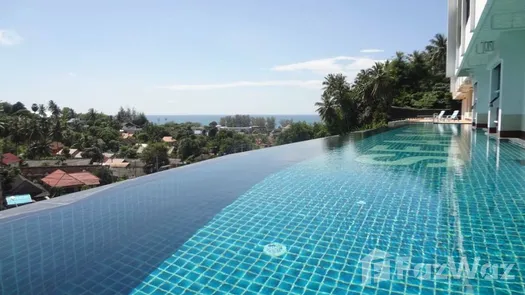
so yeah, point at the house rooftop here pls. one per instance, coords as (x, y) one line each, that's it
(168, 139)
(9, 158)
(116, 163)
(59, 178)
(21, 186)
(54, 162)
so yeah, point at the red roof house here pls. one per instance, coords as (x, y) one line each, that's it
(86, 178)
(59, 178)
(56, 146)
(9, 159)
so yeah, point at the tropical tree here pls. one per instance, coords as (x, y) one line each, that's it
(155, 155)
(38, 149)
(437, 50)
(299, 131)
(94, 153)
(414, 80)
(328, 110)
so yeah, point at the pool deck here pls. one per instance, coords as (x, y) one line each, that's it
(442, 121)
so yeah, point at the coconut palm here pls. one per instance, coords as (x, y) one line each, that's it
(437, 50)
(336, 87)
(328, 110)
(39, 149)
(91, 115)
(42, 110)
(54, 109)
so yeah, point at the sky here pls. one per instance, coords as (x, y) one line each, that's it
(199, 57)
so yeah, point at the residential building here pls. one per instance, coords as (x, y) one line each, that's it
(56, 146)
(108, 156)
(73, 153)
(169, 139)
(130, 128)
(125, 135)
(116, 163)
(55, 162)
(36, 169)
(237, 129)
(486, 63)
(141, 147)
(23, 186)
(9, 159)
(71, 181)
(128, 168)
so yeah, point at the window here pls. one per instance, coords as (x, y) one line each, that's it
(467, 10)
(496, 84)
(497, 72)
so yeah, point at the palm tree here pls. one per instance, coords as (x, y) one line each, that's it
(437, 50)
(91, 116)
(54, 109)
(39, 149)
(42, 110)
(337, 106)
(327, 109)
(336, 87)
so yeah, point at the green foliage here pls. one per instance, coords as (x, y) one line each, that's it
(7, 174)
(154, 156)
(295, 132)
(188, 147)
(131, 116)
(105, 175)
(320, 130)
(416, 80)
(236, 121)
(94, 153)
(247, 121)
(152, 133)
(285, 122)
(127, 152)
(65, 152)
(38, 149)
(270, 123)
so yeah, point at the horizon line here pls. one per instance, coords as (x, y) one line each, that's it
(231, 114)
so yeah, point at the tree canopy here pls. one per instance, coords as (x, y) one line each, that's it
(415, 80)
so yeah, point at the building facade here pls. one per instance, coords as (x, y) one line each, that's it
(486, 62)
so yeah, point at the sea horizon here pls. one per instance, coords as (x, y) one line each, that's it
(205, 119)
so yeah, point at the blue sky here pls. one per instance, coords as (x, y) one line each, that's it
(199, 57)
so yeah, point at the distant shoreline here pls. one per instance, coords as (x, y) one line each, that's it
(206, 119)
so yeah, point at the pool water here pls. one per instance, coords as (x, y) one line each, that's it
(400, 212)
(418, 196)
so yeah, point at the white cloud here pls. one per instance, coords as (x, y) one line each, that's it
(71, 74)
(372, 50)
(9, 38)
(315, 84)
(348, 65)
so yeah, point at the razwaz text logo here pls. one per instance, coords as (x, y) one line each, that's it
(379, 266)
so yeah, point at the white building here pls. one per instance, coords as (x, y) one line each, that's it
(486, 62)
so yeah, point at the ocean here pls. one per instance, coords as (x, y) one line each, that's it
(206, 119)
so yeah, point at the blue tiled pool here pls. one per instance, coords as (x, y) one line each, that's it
(393, 213)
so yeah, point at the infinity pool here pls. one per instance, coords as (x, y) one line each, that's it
(421, 209)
